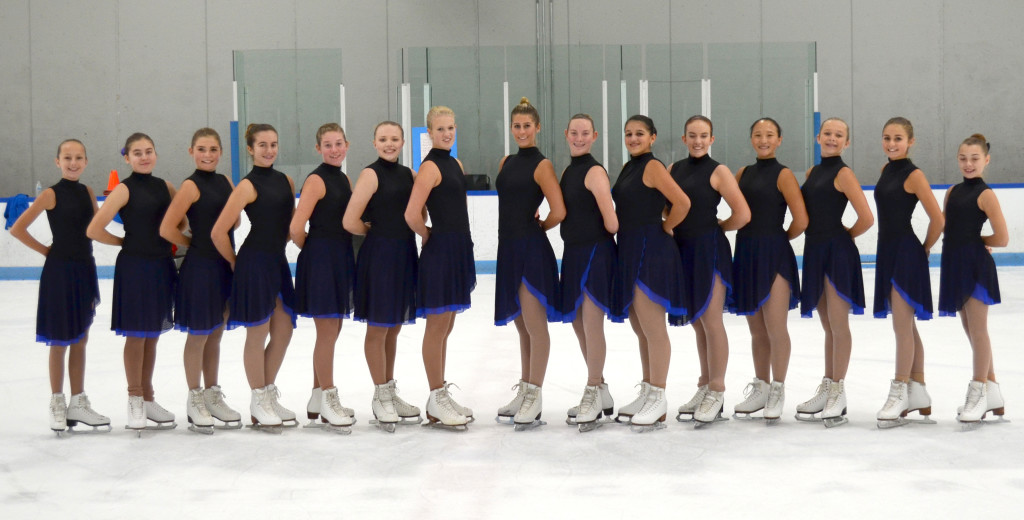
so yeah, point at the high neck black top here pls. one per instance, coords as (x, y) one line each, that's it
(894, 205)
(693, 175)
(68, 220)
(271, 212)
(386, 209)
(583, 222)
(963, 216)
(446, 203)
(825, 204)
(636, 204)
(325, 221)
(519, 195)
(148, 199)
(214, 190)
(760, 187)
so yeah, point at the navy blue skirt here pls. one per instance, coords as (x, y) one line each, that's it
(385, 292)
(324, 278)
(530, 261)
(839, 259)
(757, 261)
(143, 296)
(261, 277)
(447, 274)
(587, 269)
(967, 271)
(200, 300)
(648, 259)
(68, 294)
(703, 257)
(902, 264)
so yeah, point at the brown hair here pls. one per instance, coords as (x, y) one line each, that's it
(646, 121)
(584, 117)
(255, 128)
(908, 127)
(979, 140)
(205, 132)
(696, 118)
(66, 141)
(778, 129)
(329, 127)
(134, 138)
(847, 125)
(525, 108)
(437, 111)
(388, 123)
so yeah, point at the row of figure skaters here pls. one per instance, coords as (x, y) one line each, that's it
(650, 250)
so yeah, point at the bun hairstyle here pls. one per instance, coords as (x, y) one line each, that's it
(205, 132)
(646, 121)
(778, 129)
(388, 123)
(977, 139)
(585, 117)
(132, 139)
(66, 141)
(908, 127)
(438, 111)
(329, 127)
(699, 117)
(255, 128)
(524, 107)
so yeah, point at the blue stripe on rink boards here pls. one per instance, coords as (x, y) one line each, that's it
(817, 128)
(489, 266)
(235, 163)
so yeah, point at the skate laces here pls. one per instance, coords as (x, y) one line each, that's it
(973, 398)
(217, 397)
(707, 403)
(894, 395)
(753, 390)
(588, 401)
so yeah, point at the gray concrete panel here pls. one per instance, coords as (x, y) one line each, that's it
(16, 172)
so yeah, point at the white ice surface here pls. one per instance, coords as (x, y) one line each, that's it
(731, 470)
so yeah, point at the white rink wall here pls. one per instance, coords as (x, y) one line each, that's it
(483, 215)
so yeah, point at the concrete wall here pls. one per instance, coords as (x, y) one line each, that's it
(102, 69)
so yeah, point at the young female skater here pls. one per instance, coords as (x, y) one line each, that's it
(707, 261)
(144, 275)
(447, 273)
(262, 294)
(68, 289)
(204, 281)
(588, 263)
(526, 289)
(968, 280)
(649, 275)
(325, 268)
(832, 279)
(766, 283)
(902, 284)
(385, 287)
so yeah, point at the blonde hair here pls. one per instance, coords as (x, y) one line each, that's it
(388, 123)
(438, 111)
(585, 117)
(845, 124)
(525, 108)
(329, 127)
(66, 141)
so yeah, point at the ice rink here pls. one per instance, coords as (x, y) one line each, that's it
(734, 469)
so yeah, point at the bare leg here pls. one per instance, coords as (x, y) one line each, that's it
(211, 358)
(760, 344)
(253, 355)
(444, 349)
(578, 329)
(193, 355)
(591, 319)
(651, 317)
(76, 366)
(645, 358)
(134, 356)
(374, 349)
(535, 320)
(826, 326)
(391, 351)
(975, 316)
(842, 341)
(524, 346)
(327, 332)
(716, 341)
(280, 336)
(434, 337)
(702, 351)
(776, 314)
(56, 365)
(903, 327)
(148, 367)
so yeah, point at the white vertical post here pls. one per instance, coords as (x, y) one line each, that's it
(426, 101)
(705, 98)
(341, 117)
(234, 97)
(622, 104)
(815, 92)
(604, 122)
(407, 123)
(644, 105)
(507, 115)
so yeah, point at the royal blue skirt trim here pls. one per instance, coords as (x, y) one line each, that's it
(529, 261)
(837, 259)
(703, 257)
(324, 278)
(385, 291)
(261, 277)
(143, 304)
(587, 269)
(649, 260)
(758, 260)
(68, 294)
(447, 274)
(902, 264)
(967, 271)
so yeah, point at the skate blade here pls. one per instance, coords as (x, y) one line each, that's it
(746, 416)
(772, 421)
(314, 423)
(593, 425)
(289, 423)
(160, 426)
(832, 422)
(503, 419)
(647, 428)
(524, 427)
(571, 421)
(93, 428)
(410, 421)
(808, 416)
(888, 424)
(685, 417)
(339, 430)
(229, 425)
(385, 427)
(263, 428)
(700, 425)
(438, 425)
(205, 430)
(624, 419)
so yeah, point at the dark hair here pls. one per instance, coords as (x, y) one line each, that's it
(584, 117)
(901, 121)
(524, 107)
(646, 121)
(205, 132)
(778, 128)
(134, 138)
(388, 123)
(255, 128)
(329, 127)
(979, 140)
(66, 141)
(699, 117)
